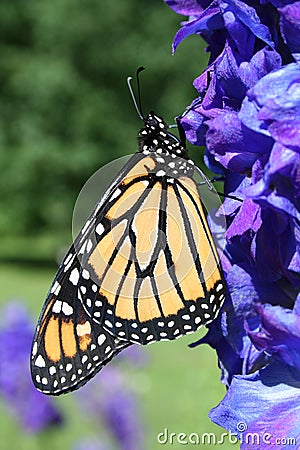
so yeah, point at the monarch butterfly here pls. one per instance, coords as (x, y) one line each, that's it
(144, 268)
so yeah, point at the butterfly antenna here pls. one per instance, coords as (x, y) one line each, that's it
(137, 104)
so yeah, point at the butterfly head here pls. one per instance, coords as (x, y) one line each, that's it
(155, 137)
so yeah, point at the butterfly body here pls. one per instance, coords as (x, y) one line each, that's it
(144, 268)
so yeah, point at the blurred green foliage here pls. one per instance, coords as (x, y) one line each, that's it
(65, 108)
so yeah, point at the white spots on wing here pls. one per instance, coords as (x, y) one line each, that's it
(82, 250)
(187, 327)
(108, 323)
(115, 194)
(98, 303)
(97, 314)
(83, 329)
(34, 349)
(44, 381)
(89, 366)
(52, 370)
(186, 317)
(68, 259)
(108, 349)
(67, 309)
(85, 274)
(99, 229)
(63, 380)
(134, 336)
(93, 346)
(160, 173)
(69, 367)
(192, 308)
(160, 160)
(40, 362)
(83, 289)
(101, 339)
(204, 306)
(57, 307)
(161, 324)
(207, 316)
(56, 288)
(144, 330)
(73, 377)
(211, 298)
(85, 227)
(145, 182)
(197, 320)
(88, 302)
(74, 276)
(55, 384)
(171, 323)
(38, 378)
(118, 324)
(84, 359)
(219, 287)
(89, 246)
(94, 288)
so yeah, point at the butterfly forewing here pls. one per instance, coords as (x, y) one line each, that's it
(152, 257)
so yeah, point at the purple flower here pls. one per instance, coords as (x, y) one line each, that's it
(34, 411)
(247, 114)
(262, 408)
(218, 21)
(111, 399)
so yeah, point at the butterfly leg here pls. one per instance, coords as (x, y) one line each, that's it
(208, 183)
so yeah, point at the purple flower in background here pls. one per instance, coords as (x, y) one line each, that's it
(34, 411)
(112, 400)
(247, 115)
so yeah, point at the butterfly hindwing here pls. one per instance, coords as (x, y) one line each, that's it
(69, 347)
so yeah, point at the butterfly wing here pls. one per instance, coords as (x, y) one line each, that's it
(149, 267)
(69, 347)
